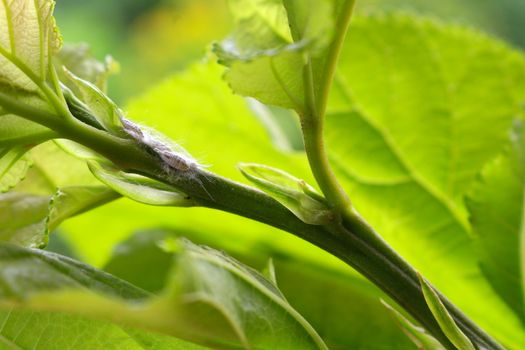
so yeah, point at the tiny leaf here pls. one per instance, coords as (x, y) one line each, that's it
(443, 318)
(299, 197)
(140, 188)
(269, 272)
(418, 335)
(98, 103)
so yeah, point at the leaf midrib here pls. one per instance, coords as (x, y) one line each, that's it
(10, 28)
(9, 343)
(270, 295)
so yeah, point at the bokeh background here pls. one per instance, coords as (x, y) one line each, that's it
(153, 38)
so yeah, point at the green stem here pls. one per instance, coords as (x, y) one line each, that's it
(123, 152)
(352, 240)
(313, 119)
(334, 52)
(318, 159)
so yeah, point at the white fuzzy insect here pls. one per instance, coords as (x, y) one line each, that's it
(176, 160)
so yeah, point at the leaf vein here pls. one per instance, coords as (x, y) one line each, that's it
(396, 151)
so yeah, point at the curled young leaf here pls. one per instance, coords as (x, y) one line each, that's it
(295, 194)
(416, 334)
(140, 188)
(443, 317)
(97, 103)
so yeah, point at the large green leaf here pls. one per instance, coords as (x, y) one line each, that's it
(52, 331)
(272, 43)
(498, 219)
(325, 303)
(28, 40)
(417, 109)
(211, 299)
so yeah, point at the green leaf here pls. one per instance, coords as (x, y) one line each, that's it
(28, 40)
(98, 103)
(139, 188)
(211, 299)
(141, 260)
(57, 187)
(445, 321)
(79, 60)
(22, 219)
(269, 272)
(51, 331)
(497, 215)
(295, 194)
(70, 201)
(133, 260)
(273, 42)
(417, 335)
(15, 131)
(13, 167)
(27, 219)
(78, 151)
(410, 124)
(56, 168)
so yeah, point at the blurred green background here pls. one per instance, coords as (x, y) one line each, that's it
(153, 38)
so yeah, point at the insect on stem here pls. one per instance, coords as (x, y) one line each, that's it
(176, 161)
